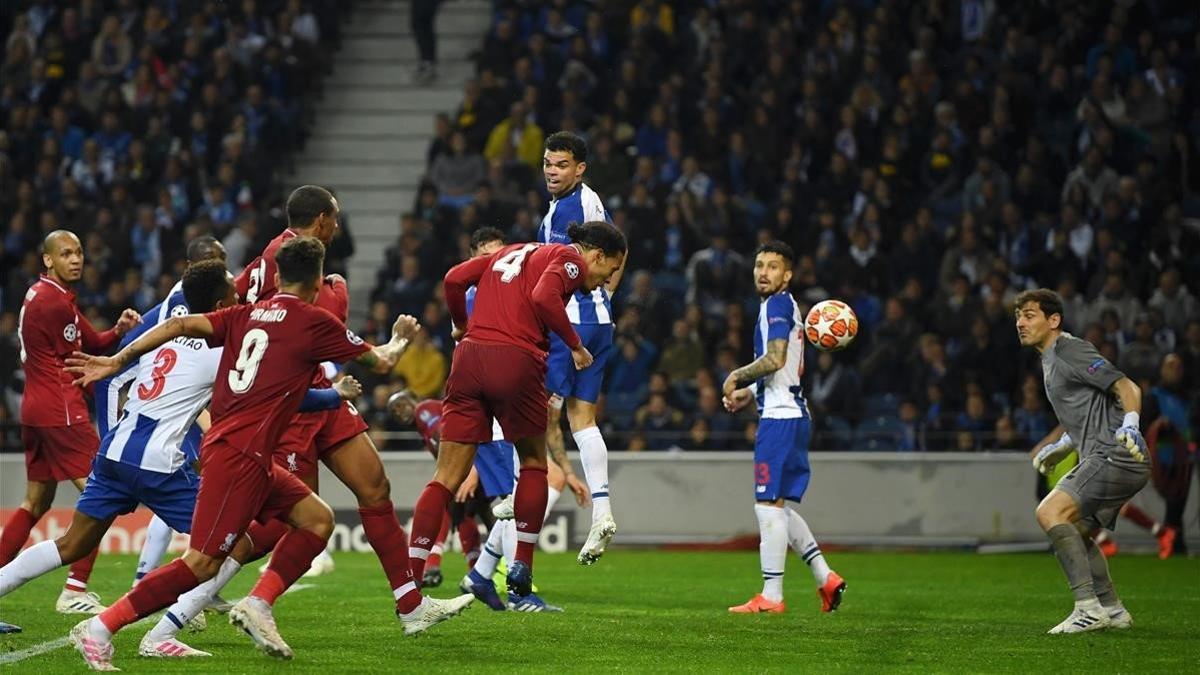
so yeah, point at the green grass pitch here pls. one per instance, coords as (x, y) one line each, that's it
(645, 610)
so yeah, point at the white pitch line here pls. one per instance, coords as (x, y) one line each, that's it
(16, 657)
(53, 645)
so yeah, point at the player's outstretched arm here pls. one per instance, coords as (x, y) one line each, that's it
(547, 298)
(764, 365)
(1129, 436)
(94, 368)
(381, 358)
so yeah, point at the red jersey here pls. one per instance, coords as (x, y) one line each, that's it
(523, 289)
(271, 349)
(427, 416)
(257, 282)
(49, 328)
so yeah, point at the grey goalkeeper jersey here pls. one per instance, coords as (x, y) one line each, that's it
(1077, 381)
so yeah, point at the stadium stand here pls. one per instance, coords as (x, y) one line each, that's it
(929, 160)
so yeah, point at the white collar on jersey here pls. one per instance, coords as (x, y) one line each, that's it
(50, 280)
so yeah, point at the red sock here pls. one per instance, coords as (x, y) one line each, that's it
(468, 535)
(385, 535)
(265, 536)
(16, 531)
(292, 558)
(529, 504)
(81, 571)
(1138, 516)
(427, 520)
(155, 591)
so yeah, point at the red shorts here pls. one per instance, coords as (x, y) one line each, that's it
(494, 380)
(234, 490)
(59, 453)
(311, 436)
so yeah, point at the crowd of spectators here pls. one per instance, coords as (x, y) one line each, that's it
(140, 125)
(927, 159)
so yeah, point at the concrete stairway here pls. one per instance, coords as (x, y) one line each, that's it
(374, 125)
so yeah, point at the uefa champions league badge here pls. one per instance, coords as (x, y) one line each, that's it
(70, 332)
(572, 270)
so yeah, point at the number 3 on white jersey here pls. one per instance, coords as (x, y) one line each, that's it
(510, 265)
(254, 346)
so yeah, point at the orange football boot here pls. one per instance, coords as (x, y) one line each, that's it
(831, 592)
(758, 604)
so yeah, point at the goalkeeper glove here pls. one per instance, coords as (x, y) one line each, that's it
(1048, 457)
(1130, 438)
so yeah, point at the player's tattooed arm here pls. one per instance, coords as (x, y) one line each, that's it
(93, 368)
(381, 358)
(766, 364)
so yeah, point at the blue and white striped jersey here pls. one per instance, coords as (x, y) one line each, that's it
(171, 386)
(580, 205)
(779, 394)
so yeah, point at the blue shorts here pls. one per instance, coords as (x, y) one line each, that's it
(114, 488)
(781, 459)
(561, 376)
(494, 462)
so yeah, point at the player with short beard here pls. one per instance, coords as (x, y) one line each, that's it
(1100, 409)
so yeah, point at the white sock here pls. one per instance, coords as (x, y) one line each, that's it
(193, 602)
(493, 550)
(158, 537)
(772, 548)
(32, 563)
(98, 631)
(593, 454)
(805, 545)
(324, 556)
(551, 499)
(508, 539)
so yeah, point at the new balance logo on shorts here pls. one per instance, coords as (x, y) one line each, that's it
(421, 541)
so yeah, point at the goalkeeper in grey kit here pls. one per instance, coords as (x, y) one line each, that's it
(1099, 408)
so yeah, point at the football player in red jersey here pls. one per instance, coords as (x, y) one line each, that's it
(274, 346)
(337, 437)
(499, 372)
(59, 439)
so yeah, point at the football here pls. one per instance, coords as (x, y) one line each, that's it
(831, 325)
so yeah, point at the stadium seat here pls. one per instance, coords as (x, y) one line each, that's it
(877, 434)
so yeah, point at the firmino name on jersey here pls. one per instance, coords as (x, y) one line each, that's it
(268, 315)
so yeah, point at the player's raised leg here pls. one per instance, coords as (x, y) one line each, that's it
(830, 585)
(1057, 515)
(593, 454)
